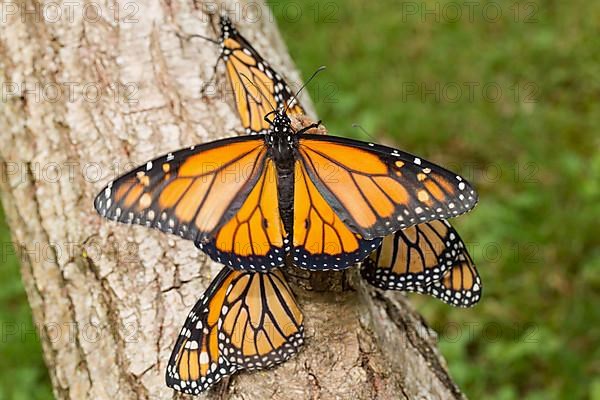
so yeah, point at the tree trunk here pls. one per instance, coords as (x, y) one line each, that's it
(88, 92)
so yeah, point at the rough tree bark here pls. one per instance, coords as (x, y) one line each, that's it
(89, 90)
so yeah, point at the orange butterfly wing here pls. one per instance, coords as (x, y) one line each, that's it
(321, 240)
(460, 287)
(244, 320)
(428, 258)
(377, 190)
(257, 87)
(417, 255)
(222, 195)
(255, 238)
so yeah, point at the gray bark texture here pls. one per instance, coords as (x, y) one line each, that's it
(106, 86)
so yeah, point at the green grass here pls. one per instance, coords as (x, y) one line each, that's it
(23, 375)
(532, 154)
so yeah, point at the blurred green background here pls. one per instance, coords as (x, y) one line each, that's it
(506, 93)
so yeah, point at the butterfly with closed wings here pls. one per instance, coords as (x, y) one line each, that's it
(428, 258)
(257, 88)
(244, 320)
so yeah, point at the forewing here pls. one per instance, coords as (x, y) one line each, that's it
(377, 190)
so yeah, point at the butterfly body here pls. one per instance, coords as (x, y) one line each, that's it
(281, 142)
(281, 139)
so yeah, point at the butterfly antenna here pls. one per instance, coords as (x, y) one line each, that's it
(364, 131)
(295, 97)
(196, 36)
(273, 109)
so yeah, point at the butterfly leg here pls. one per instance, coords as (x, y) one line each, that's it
(212, 78)
(311, 126)
(266, 117)
(187, 38)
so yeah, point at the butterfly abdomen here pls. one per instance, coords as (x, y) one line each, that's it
(285, 191)
(281, 149)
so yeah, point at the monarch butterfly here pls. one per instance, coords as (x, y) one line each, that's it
(250, 201)
(427, 258)
(256, 86)
(244, 320)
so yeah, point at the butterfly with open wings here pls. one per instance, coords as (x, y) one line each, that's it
(250, 201)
